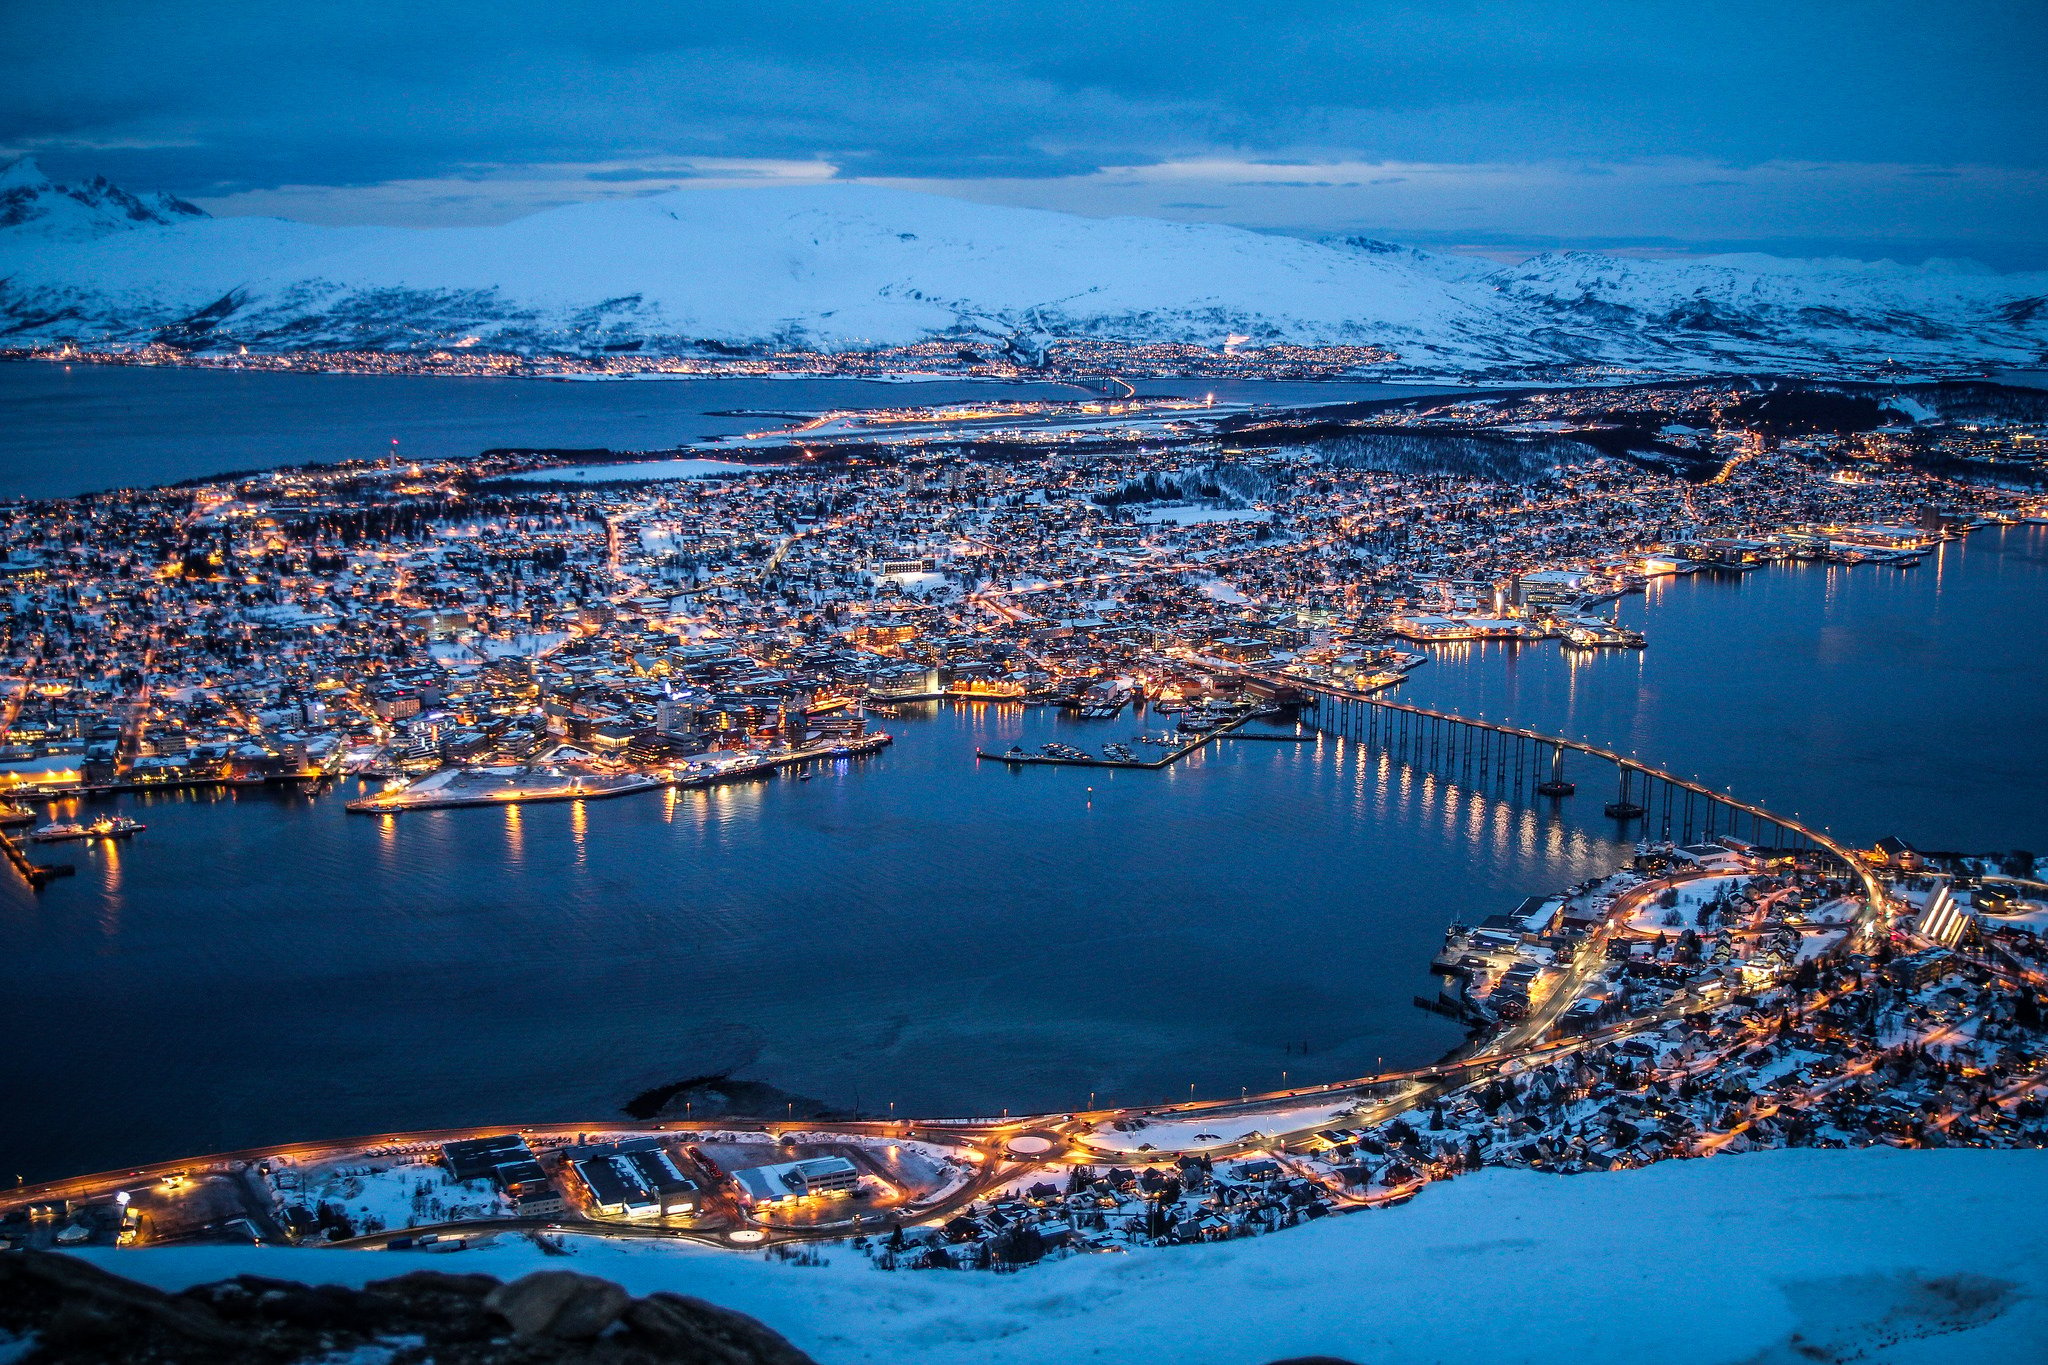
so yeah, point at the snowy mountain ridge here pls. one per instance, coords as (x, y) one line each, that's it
(853, 267)
(31, 204)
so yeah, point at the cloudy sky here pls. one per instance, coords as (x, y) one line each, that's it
(1863, 127)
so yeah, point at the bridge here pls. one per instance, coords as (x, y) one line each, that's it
(1482, 753)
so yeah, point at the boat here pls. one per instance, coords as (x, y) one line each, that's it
(106, 827)
(12, 815)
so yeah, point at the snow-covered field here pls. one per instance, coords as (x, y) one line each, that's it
(1654, 915)
(1215, 1130)
(1772, 1259)
(378, 1195)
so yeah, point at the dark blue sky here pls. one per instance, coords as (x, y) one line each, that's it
(1866, 126)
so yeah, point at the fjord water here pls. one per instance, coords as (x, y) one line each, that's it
(919, 928)
(1872, 700)
(953, 936)
(75, 428)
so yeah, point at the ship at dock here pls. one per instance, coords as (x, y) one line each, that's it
(106, 827)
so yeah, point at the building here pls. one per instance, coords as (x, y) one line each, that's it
(637, 1182)
(1941, 920)
(608, 1191)
(789, 1181)
(480, 1158)
(509, 1163)
(1923, 968)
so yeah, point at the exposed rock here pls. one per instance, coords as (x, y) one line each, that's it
(701, 1331)
(559, 1304)
(73, 1312)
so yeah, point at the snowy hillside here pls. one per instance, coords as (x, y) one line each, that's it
(1782, 1258)
(836, 267)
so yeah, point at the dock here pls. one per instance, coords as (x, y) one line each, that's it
(36, 874)
(1227, 730)
(1020, 760)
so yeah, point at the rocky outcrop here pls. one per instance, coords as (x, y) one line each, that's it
(66, 1310)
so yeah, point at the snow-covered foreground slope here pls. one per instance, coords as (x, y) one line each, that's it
(1784, 1256)
(842, 266)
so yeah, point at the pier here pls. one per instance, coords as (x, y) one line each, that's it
(36, 874)
(1227, 730)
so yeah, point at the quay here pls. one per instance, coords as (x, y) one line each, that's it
(1017, 758)
(36, 874)
(1021, 759)
(513, 796)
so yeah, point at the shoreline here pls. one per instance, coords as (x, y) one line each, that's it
(1303, 368)
(375, 805)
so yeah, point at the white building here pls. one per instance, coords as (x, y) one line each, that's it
(793, 1180)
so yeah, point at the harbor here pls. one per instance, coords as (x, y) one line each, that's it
(1193, 734)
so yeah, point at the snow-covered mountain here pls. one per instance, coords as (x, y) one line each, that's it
(34, 207)
(837, 267)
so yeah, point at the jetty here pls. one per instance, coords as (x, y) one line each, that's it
(36, 874)
(1230, 729)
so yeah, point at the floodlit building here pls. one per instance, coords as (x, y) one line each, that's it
(789, 1181)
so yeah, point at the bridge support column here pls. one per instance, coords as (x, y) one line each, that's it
(1555, 785)
(1623, 807)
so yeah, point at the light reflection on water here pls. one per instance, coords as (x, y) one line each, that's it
(920, 927)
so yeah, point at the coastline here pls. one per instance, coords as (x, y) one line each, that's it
(395, 803)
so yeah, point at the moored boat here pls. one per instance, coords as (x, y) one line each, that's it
(106, 827)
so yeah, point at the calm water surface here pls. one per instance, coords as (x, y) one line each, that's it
(916, 927)
(1882, 700)
(68, 429)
